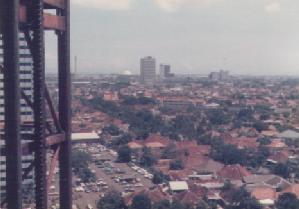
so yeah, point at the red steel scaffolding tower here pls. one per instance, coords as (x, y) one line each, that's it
(31, 17)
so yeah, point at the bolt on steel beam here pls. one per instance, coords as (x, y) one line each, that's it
(64, 77)
(38, 53)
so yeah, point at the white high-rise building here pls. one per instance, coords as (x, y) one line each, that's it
(148, 70)
(26, 83)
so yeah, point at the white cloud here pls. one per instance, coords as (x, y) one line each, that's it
(174, 5)
(170, 5)
(104, 4)
(272, 7)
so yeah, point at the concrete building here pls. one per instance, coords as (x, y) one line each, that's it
(148, 70)
(26, 83)
(222, 75)
(165, 71)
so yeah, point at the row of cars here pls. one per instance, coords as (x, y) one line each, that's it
(129, 181)
(108, 167)
(141, 171)
(98, 186)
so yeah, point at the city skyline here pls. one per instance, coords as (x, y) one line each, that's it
(256, 37)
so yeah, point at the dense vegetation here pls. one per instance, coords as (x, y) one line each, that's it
(238, 198)
(124, 154)
(80, 162)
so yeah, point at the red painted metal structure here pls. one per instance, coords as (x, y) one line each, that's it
(30, 17)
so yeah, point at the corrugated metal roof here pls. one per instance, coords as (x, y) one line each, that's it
(178, 185)
(84, 136)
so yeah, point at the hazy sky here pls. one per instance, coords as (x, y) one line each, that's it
(194, 36)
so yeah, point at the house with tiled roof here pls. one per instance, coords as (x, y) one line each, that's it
(243, 142)
(233, 172)
(210, 166)
(294, 188)
(289, 134)
(135, 144)
(279, 157)
(265, 195)
(156, 195)
(155, 142)
(273, 181)
(191, 196)
(277, 144)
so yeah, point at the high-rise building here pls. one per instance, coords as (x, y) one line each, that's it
(148, 70)
(222, 75)
(26, 83)
(165, 71)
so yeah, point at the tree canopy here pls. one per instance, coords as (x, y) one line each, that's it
(287, 201)
(141, 202)
(124, 154)
(111, 200)
(147, 158)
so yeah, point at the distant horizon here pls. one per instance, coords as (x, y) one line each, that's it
(183, 74)
(257, 37)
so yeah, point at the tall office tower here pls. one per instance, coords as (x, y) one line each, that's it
(26, 83)
(165, 71)
(148, 70)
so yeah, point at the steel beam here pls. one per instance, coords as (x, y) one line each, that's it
(12, 97)
(52, 111)
(29, 147)
(64, 77)
(53, 22)
(54, 3)
(53, 165)
(39, 104)
(55, 139)
(50, 21)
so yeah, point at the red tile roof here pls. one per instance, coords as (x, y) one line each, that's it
(233, 172)
(292, 189)
(156, 195)
(191, 196)
(243, 142)
(263, 193)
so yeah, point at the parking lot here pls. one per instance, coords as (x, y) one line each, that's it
(122, 177)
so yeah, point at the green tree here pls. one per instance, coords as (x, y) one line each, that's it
(163, 204)
(86, 175)
(147, 159)
(245, 115)
(282, 170)
(124, 154)
(80, 159)
(228, 154)
(159, 177)
(176, 165)
(260, 126)
(169, 152)
(264, 141)
(256, 158)
(218, 117)
(122, 140)
(141, 202)
(202, 205)
(180, 205)
(241, 199)
(111, 200)
(287, 201)
(227, 186)
(112, 130)
(184, 125)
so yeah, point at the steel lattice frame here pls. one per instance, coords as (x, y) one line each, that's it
(29, 16)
